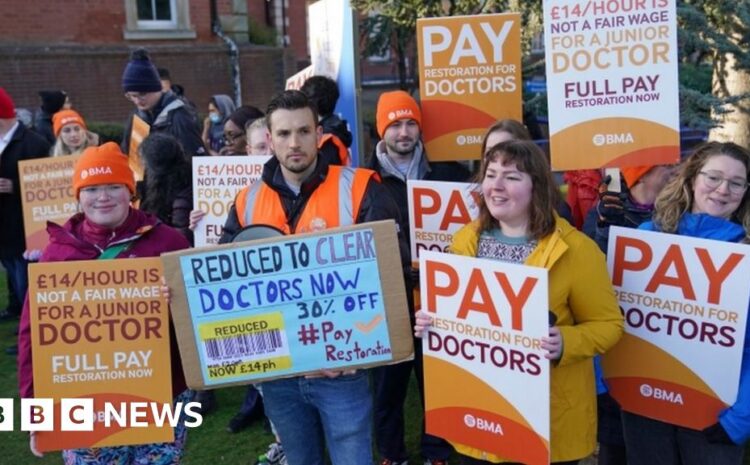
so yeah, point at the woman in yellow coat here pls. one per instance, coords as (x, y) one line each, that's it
(518, 223)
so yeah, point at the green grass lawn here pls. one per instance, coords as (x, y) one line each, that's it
(208, 444)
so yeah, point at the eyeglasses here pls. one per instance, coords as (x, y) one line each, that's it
(133, 96)
(714, 179)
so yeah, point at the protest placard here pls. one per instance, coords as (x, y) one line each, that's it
(291, 305)
(612, 87)
(685, 305)
(100, 330)
(437, 210)
(486, 377)
(469, 69)
(47, 195)
(216, 182)
(139, 131)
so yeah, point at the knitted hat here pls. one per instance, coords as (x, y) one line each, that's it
(394, 106)
(52, 100)
(7, 108)
(140, 74)
(105, 164)
(63, 117)
(634, 173)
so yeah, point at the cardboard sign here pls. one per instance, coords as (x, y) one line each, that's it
(100, 329)
(470, 69)
(139, 131)
(685, 305)
(287, 306)
(47, 195)
(486, 377)
(216, 183)
(612, 87)
(437, 210)
(296, 80)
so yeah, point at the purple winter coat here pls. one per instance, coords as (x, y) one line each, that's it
(78, 239)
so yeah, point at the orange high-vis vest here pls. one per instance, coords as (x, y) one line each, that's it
(335, 202)
(343, 151)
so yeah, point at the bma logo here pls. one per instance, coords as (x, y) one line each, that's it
(468, 139)
(95, 171)
(481, 424)
(661, 394)
(612, 139)
(399, 114)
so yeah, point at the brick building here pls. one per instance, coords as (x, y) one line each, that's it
(82, 46)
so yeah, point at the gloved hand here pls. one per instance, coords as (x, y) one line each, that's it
(611, 206)
(716, 434)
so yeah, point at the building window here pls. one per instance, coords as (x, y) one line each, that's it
(158, 19)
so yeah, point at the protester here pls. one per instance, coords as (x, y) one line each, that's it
(256, 134)
(707, 199)
(291, 196)
(235, 142)
(219, 108)
(629, 208)
(73, 137)
(517, 223)
(167, 188)
(16, 143)
(52, 102)
(323, 92)
(400, 156)
(108, 227)
(163, 111)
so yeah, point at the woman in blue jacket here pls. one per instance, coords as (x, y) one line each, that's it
(708, 199)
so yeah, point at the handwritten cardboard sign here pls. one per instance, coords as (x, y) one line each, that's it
(685, 305)
(100, 329)
(286, 306)
(47, 195)
(216, 183)
(486, 378)
(470, 69)
(612, 87)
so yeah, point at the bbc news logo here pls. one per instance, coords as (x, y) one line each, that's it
(79, 414)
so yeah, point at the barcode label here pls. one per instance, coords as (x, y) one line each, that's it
(243, 345)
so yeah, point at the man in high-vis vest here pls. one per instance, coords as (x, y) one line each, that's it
(300, 191)
(400, 156)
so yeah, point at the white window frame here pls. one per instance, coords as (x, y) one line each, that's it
(178, 27)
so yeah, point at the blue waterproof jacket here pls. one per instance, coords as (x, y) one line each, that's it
(736, 418)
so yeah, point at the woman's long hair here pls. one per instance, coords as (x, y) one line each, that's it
(515, 128)
(167, 172)
(677, 198)
(545, 196)
(61, 148)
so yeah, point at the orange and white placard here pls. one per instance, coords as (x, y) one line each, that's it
(47, 195)
(100, 330)
(612, 87)
(485, 375)
(469, 77)
(685, 305)
(216, 183)
(437, 210)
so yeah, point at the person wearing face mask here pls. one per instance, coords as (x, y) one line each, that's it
(219, 108)
(73, 137)
(708, 199)
(517, 223)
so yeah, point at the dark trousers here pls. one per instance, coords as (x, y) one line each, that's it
(18, 282)
(391, 383)
(470, 461)
(653, 442)
(611, 442)
(251, 401)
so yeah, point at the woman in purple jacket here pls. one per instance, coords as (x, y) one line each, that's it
(108, 227)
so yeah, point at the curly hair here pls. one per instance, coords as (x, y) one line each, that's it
(545, 196)
(677, 198)
(168, 171)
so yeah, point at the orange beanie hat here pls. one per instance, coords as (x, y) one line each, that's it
(63, 117)
(394, 106)
(634, 173)
(105, 164)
